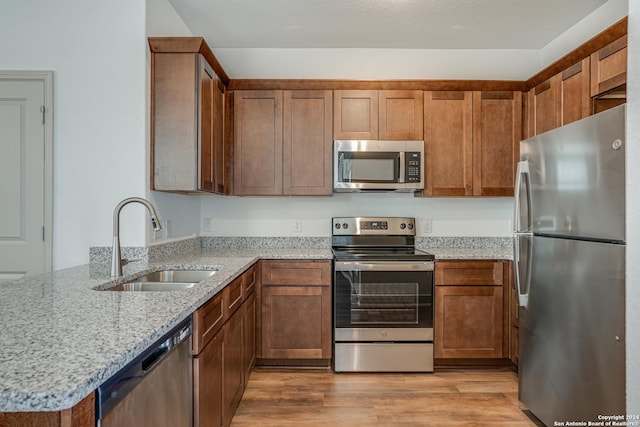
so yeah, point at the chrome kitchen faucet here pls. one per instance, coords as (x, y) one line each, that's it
(116, 259)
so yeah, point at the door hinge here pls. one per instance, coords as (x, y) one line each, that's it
(43, 110)
(43, 239)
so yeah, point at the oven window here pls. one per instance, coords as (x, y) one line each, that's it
(369, 167)
(383, 299)
(373, 303)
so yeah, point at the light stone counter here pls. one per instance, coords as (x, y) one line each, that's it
(60, 339)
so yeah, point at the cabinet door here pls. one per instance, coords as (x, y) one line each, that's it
(258, 143)
(207, 383)
(249, 349)
(609, 67)
(468, 322)
(574, 89)
(497, 124)
(544, 106)
(206, 128)
(174, 114)
(448, 140)
(233, 367)
(401, 115)
(308, 118)
(219, 184)
(296, 322)
(355, 114)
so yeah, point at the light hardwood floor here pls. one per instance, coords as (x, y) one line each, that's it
(448, 398)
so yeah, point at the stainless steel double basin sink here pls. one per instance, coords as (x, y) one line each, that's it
(165, 280)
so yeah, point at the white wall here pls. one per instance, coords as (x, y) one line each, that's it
(264, 216)
(489, 64)
(602, 18)
(633, 211)
(512, 64)
(96, 51)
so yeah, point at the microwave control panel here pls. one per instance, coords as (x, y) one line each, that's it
(413, 167)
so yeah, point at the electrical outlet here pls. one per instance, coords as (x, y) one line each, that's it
(208, 225)
(297, 225)
(426, 226)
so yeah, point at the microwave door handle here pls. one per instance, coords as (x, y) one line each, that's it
(346, 170)
(401, 168)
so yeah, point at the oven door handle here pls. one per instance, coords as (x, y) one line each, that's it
(384, 266)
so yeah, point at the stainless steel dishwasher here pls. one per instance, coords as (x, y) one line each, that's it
(155, 389)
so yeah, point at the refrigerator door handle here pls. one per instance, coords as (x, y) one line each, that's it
(522, 291)
(522, 177)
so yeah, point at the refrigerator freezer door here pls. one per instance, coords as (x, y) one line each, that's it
(572, 360)
(577, 175)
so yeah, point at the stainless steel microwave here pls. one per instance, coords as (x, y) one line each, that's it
(360, 166)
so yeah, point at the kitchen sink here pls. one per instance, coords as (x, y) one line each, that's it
(192, 276)
(164, 281)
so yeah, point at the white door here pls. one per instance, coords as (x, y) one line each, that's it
(24, 168)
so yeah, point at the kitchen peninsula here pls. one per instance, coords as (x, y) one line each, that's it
(63, 338)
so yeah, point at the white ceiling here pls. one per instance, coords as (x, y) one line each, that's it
(412, 24)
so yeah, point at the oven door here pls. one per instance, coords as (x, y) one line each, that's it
(383, 301)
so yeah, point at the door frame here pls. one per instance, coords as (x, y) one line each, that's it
(46, 77)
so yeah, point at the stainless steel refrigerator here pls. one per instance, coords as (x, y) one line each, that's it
(569, 243)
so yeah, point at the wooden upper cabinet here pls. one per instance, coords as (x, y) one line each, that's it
(400, 115)
(544, 106)
(220, 168)
(307, 157)
(355, 114)
(283, 142)
(258, 142)
(373, 114)
(188, 149)
(497, 118)
(574, 90)
(448, 136)
(609, 67)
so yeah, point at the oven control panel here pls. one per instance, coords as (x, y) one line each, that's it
(373, 225)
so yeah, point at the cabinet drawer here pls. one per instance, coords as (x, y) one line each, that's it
(249, 281)
(207, 320)
(316, 273)
(233, 296)
(469, 273)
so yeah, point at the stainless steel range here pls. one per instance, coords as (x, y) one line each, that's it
(383, 297)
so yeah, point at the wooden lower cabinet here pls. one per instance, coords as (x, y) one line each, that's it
(295, 312)
(222, 362)
(249, 354)
(468, 322)
(472, 310)
(81, 415)
(207, 378)
(233, 368)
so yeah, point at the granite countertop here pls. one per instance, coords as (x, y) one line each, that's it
(471, 253)
(61, 338)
